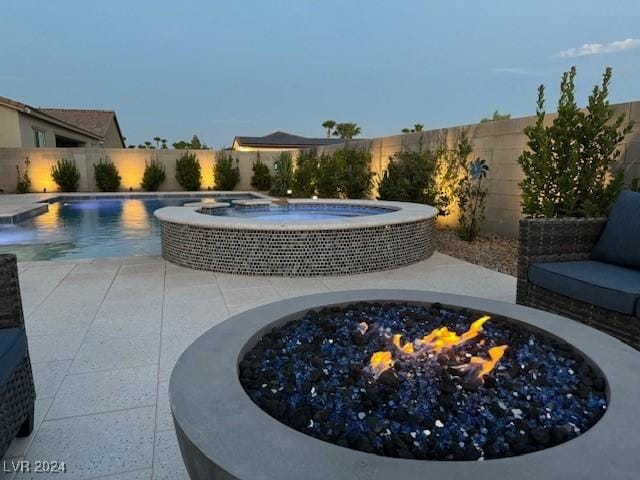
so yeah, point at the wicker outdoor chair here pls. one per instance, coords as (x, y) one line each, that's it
(587, 269)
(17, 392)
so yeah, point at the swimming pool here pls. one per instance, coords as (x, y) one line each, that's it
(91, 228)
(296, 212)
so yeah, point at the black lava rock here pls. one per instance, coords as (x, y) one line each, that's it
(389, 379)
(313, 374)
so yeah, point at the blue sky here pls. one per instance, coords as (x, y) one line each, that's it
(221, 69)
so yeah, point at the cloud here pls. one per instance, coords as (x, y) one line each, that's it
(600, 48)
(514, 71)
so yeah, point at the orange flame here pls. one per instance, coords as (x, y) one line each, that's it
(480, 366)
(381, 361)
(406, 348)
(435, 341)
(442, 338)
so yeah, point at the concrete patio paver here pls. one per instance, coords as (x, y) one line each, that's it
(98, 392)
(104, 336)
(94, 445)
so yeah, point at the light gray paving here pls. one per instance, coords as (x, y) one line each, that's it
(94, 445)
(105, 334)
(99, 392)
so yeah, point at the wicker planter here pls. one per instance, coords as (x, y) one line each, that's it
(567, 239)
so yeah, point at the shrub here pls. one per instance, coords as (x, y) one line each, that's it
(66, 175)
(330, 177)
(410, 177)
(153, 176)
(283, 176)
(261, 179)
(304, 178)
(106, 176)
(357, 177)
(188, 171)
(225, 171)
(472, 196)
(24, 181)
(568, 164)
(451, 165)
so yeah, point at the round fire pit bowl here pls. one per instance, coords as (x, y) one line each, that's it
(223, 434)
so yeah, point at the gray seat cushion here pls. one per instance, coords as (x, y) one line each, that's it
(608, 286)
(620, 239)
(13, 348)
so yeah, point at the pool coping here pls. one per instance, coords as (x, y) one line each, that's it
(37, 204)
(401, 212)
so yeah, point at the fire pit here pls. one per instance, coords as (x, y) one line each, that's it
(375, 384)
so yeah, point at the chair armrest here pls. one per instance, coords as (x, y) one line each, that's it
(10, 302)
(556, 240)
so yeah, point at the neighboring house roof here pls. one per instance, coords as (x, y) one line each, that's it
(284, 139)
(93, 123)
(96, 121)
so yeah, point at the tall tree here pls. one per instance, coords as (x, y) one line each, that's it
(157, 140)
(164, 143)
(347, 130)
(497, 116)
(195, 142)
(329, 124)
(417, 127)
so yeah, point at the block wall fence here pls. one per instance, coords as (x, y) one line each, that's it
(130, 162)
(499, 143)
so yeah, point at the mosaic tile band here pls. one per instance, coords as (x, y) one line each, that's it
(342, 251)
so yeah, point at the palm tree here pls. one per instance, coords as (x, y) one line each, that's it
(157, 140)
(329, 124)
(347, 130)
(164, 143)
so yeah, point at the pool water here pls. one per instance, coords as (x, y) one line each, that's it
(90, 229)
(299, 212)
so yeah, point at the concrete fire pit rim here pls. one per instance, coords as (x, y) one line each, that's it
(212, 410)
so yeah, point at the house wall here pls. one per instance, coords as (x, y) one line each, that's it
(130, 163)
(500, 144)
(9, 127)
(29, 123)
(112, 137)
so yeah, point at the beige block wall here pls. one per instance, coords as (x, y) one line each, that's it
(500, 144)
(9, 127)
(130, 163)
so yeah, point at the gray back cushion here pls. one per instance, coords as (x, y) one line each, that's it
(620, 239)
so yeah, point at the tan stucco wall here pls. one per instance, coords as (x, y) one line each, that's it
(9, 127)
(130, 163)
(29, 123)
(112, 138)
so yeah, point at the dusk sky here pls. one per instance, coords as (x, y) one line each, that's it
(220, 69)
